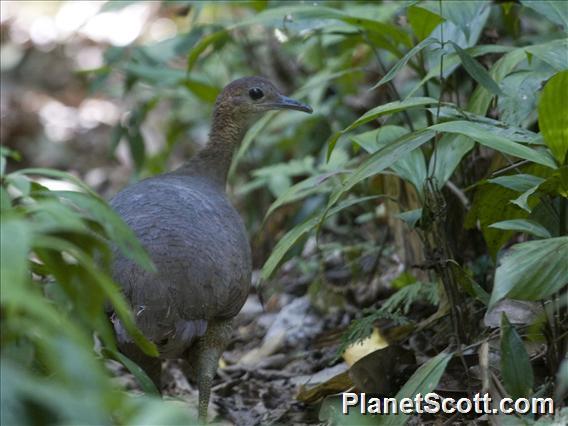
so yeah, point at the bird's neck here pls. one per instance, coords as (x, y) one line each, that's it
(214, 159)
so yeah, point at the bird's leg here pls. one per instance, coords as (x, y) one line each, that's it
(209, 349)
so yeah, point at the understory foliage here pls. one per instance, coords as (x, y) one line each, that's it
(451, 115)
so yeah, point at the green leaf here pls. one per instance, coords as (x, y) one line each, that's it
(403, 61)
(292, 236)
(553, 116)
(552, 52)
(110, 289)
(554, 10)
(477, 72)
(448, 153)
(523, 225)
(468, 17)
(521, 90)
(532, 271)
(381, 160)
(519, 182)
(15, 244)
(494, 141)
(422, 21)
(452, 61)
(411, 167)
(57, 174)
(523, 200)
(312, 185)
(516, 367)
(491, 203)
(423, 381)
(116, 229)
(140, 375)
(481, 98)
(411, 217)
(202, 45)
(390, 108)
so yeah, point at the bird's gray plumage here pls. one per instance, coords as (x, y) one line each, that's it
(200, 248)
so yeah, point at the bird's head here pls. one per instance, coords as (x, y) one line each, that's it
(248, 97)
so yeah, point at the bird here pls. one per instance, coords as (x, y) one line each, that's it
(197, 242)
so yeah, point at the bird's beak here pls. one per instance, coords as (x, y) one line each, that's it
(284, 102)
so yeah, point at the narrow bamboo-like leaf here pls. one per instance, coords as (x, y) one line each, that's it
(516, 367)
(519, 182)
(57, 174)
(298, 232)
(403, 61)
(423, 381)
(477, 72)
(301, 190)
(381, 160)
(523, 225)
(15, 244)
(452, 61)
(496, 142)
(422, 21)
(390, 108)
(411, 167)
(203, 44)
(143, 379)
(481, 98)
(553, 116)
(532, 271)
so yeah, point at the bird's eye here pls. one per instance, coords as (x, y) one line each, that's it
(255, 93)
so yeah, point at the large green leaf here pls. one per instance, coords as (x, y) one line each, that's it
(553, 116)
(523, 225)
(522, 89)
(423, 381)
(491, 203)
(516, 368)
(494, 141)
(532, 271)
(555, 10)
